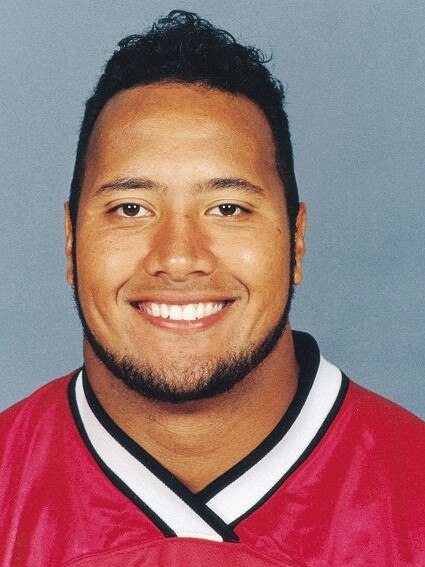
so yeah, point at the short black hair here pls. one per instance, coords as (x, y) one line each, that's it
(184, 48)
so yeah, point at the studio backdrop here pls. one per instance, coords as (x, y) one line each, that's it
(354, 79)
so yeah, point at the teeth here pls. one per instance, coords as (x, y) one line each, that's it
(156, 310)
(214, 308)
(176, 312)
(200, 310)
(188, 312)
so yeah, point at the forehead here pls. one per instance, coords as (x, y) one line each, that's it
(183, 113)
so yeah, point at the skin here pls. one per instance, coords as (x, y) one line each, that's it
(180, 248)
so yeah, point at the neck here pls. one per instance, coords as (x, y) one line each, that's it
(200, 440)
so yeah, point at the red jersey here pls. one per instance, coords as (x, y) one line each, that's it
(340, 481)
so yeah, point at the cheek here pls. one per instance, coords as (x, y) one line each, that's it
(261, 261)
(105, 262)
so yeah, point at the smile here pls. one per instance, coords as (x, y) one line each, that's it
(188, 312)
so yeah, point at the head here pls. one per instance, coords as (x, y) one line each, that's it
(183, 56)
(185, 48)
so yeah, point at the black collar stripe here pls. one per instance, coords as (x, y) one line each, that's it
(160, 498)
(244, 493)
(213, 513)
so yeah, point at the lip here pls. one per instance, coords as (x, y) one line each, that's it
(182, 325)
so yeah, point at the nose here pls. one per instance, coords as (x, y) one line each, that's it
(179, 249)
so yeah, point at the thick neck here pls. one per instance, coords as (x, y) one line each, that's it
(199, 441)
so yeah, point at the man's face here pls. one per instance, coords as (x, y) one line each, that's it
(182, 247)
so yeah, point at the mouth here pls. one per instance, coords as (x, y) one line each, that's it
(181, 312)
(182, 315)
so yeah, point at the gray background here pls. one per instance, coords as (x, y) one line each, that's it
(355, 88)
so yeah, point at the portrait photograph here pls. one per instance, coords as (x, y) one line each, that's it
(212, 283)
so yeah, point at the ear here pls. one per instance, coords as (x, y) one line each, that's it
(69, 239)
(300, 224)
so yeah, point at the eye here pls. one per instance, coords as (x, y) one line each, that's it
(228, 210)
(132, 210)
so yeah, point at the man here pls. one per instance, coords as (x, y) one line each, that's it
(201, 430)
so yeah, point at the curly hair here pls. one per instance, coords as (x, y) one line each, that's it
(184, 48)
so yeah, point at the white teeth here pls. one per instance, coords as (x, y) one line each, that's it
(208, 309)
(164, 310)
(176, 312)
(156, 309)
(200, 310)
(188, 312)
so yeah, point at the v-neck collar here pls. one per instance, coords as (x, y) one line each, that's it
(217, 509)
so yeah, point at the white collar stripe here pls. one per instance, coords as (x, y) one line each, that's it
(215, 511)
(157, 496)
(244, 493)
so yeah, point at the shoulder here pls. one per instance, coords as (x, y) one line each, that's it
(375, 411)
(35, 410)
(381, 429)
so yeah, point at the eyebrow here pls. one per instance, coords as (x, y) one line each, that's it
(239, 184)
(125, 184)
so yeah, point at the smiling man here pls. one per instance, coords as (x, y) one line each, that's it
(201, 430)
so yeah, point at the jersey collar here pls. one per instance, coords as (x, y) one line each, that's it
(218, 508)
